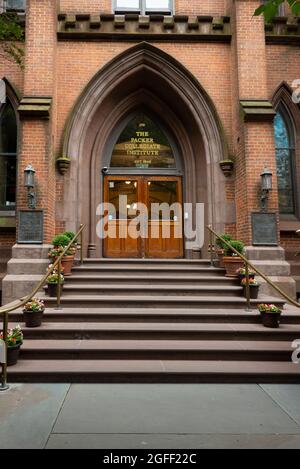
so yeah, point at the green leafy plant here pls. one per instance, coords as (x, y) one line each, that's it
(237, 245)
(14, 336)
(11, 38)
(220, 243)
(35, 305)
(270, 8)
(53, 278)
(69, 234)
(60, 240)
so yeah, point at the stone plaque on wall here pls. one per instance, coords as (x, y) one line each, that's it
(264, 229)
(30, 227)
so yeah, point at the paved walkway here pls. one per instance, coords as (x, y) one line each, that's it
(150, 416)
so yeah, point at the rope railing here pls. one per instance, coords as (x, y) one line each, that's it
(5, 310)
(253, 267)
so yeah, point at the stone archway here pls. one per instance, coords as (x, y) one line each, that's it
(143, 76)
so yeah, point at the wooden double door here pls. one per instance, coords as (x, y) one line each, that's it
(144, 216)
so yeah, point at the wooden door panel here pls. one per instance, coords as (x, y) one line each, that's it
(164, 232)
(117, 243)
(148, 190)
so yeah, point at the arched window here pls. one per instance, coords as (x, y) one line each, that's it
(143, 144)
(8, 156)
(285, 159)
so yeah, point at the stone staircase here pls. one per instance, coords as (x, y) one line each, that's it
(155, 321)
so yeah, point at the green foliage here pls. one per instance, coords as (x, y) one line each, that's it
(60, 240)
(14, 336)
(69, 234)
(270, 8)
(54, 278)
(220, 243)
(11, 37)
(237, 245)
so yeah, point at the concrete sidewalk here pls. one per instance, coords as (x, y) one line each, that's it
(150, 416)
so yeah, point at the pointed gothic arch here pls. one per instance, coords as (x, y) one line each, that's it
(9, 130)
(144, 76)
(288, 120)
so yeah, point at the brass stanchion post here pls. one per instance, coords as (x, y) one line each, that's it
(4, 386)
(248, 308)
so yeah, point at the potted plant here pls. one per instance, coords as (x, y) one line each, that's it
(253, 286)
(241, 273)
(232, 262)
(52, 283)
(33, 312)
(59, 242)
(14, 341)
(221, 246)
(270, 315)
(73, 248)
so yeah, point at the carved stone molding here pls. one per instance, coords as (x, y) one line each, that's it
(151, 27)
(35, 107)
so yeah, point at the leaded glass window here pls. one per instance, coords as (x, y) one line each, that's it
(284, 146)
(8, 157)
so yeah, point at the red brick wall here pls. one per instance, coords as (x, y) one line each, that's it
(37, 135)
(7, 238)
(226, 72)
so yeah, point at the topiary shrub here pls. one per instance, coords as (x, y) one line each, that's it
(60, 240)
(220, 243)
(237, 245)
(69, 234)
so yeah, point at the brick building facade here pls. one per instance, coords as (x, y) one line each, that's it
(212, 75)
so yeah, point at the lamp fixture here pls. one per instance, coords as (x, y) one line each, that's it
(29, 183)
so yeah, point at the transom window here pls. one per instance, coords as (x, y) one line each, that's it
(8, 157)
(285, 155)
(142, 144)
(144, 7)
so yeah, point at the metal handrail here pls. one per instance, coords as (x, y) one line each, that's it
(249, 264)
(18, 304)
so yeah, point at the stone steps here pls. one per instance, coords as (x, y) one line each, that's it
(117, 279)
(161, 331)
(155, 349)
(161, 371)
(169, 289)
(157, 301)
(146, 315)
(143, 320)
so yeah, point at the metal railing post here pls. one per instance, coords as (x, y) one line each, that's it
(211, 248)
(58, 293)
(81, 247)
(4, 386)
(258, 271)
(248, 308)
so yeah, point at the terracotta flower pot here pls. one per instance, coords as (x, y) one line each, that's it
(232, 264)
(13, 354)
(67, 264)
(33, 319)
(52, 289)
(271, 319)
(253, 291)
